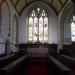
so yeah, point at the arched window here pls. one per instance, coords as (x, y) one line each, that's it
(38, 26)
(73, 31)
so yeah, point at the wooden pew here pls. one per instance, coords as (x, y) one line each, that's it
(67, 60)
(14, 67)
(6, 60)
(2, 55)
(57, 67)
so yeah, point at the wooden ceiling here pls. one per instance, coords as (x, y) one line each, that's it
(57, 5)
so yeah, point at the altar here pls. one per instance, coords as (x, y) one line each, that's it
(39, 49)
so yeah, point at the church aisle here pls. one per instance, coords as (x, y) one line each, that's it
(37, 69)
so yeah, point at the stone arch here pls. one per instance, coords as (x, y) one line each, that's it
(5, 20)
(24, 22)
(5, 26)
(65, 18)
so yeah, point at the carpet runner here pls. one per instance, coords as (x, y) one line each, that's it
(37, 69)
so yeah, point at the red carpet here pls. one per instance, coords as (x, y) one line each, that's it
(37, 69)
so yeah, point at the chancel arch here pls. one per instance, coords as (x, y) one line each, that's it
(24, 27)
(24, 22)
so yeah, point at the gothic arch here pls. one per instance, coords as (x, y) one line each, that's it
(5, 25)
(23, 37)
(5, 19)
(65, 17)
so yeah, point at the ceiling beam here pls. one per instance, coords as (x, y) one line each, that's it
(14, 6)
(63, 5)
(40, 1)
(60, 2)
(17, 2)
(51, 2)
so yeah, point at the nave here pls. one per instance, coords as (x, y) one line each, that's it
(16, 64)
(51, 65)
(37, 37)
(37, 69)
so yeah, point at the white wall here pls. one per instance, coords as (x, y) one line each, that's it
(53, 26)
(4, 20)
(12, 13)
(7, 13)
(4, 26)
(2, 45)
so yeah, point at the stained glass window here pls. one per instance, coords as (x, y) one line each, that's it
(38, 26)
(73, 31)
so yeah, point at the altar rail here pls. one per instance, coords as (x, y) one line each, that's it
(39, 49)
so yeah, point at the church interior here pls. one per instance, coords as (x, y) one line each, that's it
(37, 37)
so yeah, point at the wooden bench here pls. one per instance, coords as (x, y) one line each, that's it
(2, 55)
(67, 60)
(58, 67)
(14, 67)
(6, 60)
